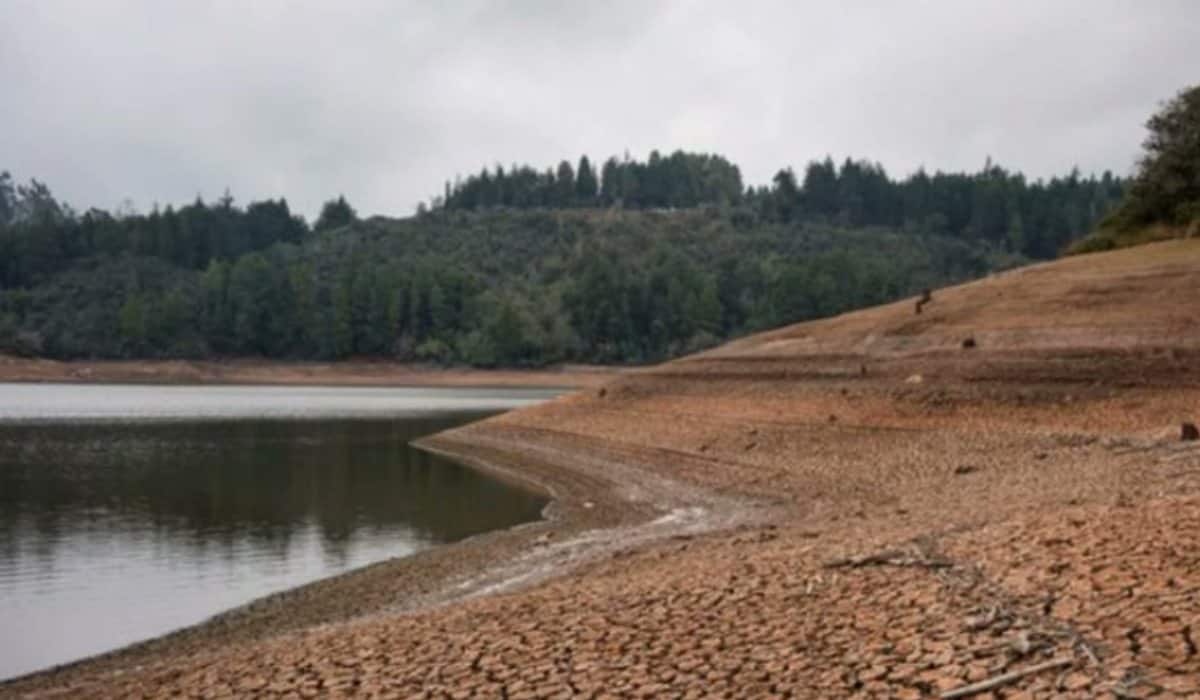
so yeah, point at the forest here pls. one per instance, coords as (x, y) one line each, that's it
(631, 262)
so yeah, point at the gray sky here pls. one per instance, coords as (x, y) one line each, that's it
(161, 100)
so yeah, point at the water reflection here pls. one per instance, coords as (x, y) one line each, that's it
(121, 531)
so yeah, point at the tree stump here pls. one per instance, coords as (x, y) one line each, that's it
(926, 297)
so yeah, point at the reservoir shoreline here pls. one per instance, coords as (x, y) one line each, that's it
(265, 607)
(589, 515)
(269, 372)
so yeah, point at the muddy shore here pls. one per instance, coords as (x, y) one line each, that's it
(864, 506)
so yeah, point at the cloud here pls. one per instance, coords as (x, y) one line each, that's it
(384, 101)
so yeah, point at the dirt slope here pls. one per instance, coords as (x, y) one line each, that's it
(855, 507)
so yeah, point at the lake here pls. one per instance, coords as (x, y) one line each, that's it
(130, 511)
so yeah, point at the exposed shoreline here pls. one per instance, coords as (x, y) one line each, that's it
(588, 515)
(268, 372)
(865, 505)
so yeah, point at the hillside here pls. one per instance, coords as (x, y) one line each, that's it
(507, 288)
(856, 506)
(634, 263)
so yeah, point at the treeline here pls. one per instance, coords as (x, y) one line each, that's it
(1036, 219)
(680, 180)
(647, 261)
(487, 289)
(40, 236)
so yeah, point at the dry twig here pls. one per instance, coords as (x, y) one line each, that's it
(1005, 678)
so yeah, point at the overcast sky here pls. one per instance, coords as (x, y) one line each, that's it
(158, 101)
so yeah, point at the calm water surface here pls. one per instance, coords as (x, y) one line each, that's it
(129, 511)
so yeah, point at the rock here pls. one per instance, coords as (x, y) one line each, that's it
(1020, 644)
(914, 379)
(1188, 432)
(968, 343)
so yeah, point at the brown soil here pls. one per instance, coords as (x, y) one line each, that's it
(855, 507)
(346, 373)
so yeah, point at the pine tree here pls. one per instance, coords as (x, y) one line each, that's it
(610, 186)
(564, 185)
(335, 214)
(586, 187)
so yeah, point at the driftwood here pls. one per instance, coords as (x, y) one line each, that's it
(1005, 678)
(890, 557)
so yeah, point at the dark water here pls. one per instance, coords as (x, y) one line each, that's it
(112, 531)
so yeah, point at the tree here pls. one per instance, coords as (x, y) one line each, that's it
(343, 314)
(611, 182)
(821, 187)
(1167, 185)
(303, 306)
(216, 316)
(586, 186)
(786, 194)
(335, 214)
(506, 333)
(8, 198)
(253, 304)
(131, 322)
(564, 185)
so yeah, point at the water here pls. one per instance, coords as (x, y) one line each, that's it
(129, 511)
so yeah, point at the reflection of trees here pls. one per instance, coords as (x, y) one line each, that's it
(210, 484)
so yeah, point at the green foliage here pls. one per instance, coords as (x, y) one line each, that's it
(679, 180)
(1163, 199)
(40, 238)
(112, 307)
(1112, 238)
(1167, 186)
(336, 213)
(1033, 219)
(513, 288)
(131, 320)
(639, 263)
(587, 187)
